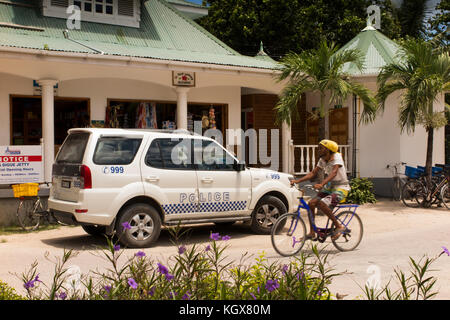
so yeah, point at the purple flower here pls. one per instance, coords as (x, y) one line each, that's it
(186, 296)
(107, 288)
(162, 269)
(169, 277)
(253, 296)
(208, 247)
(319, 293)
(215, 236)
(172, 295)
(181, 249)
(140, 254)
(225, 238)
(300, 275)
(126, 225)
(152, 291)
(272, 285)
(445, 251)
(117, 247)
(63, 296)
(132, 283)
(285, 269)
(30, 284)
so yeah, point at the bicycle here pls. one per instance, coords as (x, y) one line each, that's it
(396, 187)
(439, 192)
(30, 211)
(288, 234)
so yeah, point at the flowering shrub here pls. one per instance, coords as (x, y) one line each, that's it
(194, 272)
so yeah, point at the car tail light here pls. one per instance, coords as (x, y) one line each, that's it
(86, 177)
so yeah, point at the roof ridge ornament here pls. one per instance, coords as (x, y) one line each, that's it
(373, 14)
(261, 50)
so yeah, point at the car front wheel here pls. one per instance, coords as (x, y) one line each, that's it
(266, 213)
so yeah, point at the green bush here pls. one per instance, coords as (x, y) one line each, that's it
(8, 293)
(361, 192)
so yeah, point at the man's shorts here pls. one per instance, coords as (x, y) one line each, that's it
(332, 197)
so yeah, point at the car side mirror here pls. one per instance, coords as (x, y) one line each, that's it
(239, 166)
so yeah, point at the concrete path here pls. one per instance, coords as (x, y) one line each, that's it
(392, 234)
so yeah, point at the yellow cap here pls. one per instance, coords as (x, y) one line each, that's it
(330, 145)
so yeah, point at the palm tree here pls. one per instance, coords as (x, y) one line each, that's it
(320, 70)
(422, 75)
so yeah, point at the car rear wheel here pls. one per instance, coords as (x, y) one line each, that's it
(139, 226)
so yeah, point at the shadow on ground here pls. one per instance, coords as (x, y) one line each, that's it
(187, 235)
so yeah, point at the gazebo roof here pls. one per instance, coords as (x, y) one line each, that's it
(377, 49)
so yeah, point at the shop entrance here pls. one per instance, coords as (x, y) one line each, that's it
(26, 118)
(162, 115)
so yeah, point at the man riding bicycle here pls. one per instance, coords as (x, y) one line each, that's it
(333, 189)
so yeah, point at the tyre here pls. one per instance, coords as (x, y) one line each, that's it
(143, 229)
(26, 216)
(266, 213)
(352, 236)
(445, 196)
(288, 234)
(412, 194)
(94, 230)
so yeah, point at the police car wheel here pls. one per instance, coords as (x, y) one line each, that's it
(266, 213)
(139, 226)
(94, 230)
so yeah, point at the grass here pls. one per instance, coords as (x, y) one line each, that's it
(7, 231)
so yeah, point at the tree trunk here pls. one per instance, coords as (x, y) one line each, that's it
(429, 158)
(321, 129)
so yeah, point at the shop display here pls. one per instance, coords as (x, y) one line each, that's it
(212, 118)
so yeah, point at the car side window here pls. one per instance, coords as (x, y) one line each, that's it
(116, 150)
(213, 157)
(170, 153)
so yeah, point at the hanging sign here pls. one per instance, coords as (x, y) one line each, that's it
(21, 164)
(183, 79)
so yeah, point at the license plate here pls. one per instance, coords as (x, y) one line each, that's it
(65, 184)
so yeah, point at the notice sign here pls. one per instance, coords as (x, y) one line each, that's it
(183, 79)
(21, 164)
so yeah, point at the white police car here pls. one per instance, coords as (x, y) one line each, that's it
(135, 181)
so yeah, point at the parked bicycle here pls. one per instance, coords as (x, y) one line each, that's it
(31, 212)
(397, 180)
(288, 234)
(418, 193)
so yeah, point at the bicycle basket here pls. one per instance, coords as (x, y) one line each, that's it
(25, 190)
(434, 170)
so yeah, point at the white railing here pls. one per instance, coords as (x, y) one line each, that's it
(303, 158)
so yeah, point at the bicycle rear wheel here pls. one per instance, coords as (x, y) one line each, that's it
(352, 236)
(288, 234)
(413, 193)
(26, 216)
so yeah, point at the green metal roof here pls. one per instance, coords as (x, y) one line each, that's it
(377, 49)
(263, 56)
(164, 33)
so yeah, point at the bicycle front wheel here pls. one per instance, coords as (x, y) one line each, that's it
(26, 216)
(352, 236)
(445, 196)
(288, 234)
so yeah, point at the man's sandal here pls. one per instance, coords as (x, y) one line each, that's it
(337, 233)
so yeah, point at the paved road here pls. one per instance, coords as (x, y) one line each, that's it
(392, 233)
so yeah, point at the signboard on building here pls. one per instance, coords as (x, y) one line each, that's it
(21, 164)
(183, 79)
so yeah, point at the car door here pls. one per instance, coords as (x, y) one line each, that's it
(223, 191)
(169, 175)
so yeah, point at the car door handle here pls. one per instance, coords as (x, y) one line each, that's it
(207, 180)
(152, 179)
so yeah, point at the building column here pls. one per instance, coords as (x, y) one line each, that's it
(48, 126)
(286, 137)
(182, 107)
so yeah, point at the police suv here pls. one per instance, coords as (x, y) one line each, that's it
(133, 182)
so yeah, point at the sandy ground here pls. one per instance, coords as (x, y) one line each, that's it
(392, 234)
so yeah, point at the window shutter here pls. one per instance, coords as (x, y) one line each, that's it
(126, 8)
(60, 3)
